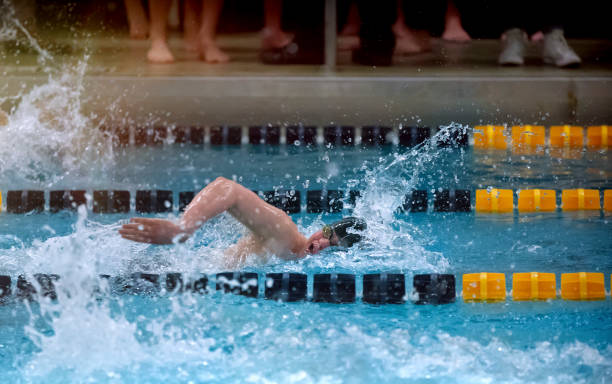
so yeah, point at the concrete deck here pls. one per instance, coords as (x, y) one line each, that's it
(453, 82)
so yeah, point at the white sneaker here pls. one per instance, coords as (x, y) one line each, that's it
(513, 47)
(556, 51)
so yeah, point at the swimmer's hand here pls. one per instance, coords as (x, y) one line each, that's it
(153, 231)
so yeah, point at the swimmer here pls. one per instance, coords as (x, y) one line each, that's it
(272, 230)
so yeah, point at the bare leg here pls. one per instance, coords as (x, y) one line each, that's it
(159, 52)
(136, 19)
(408, 41)
(348, 39)
(453, 30)
(209, 50)
(191, 25)
(268, 224)
(352, 24)
(272, 33)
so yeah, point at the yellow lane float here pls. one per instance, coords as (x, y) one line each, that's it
(607, 200)
(490, 136)
(583, 286)
(528, 137)
(494, 200)
(566, 136)
(580, 200)
(534, 286)
(484, 286)
(599, 137)
(534, 200)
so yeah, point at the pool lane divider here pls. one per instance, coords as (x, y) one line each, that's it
(521, 138)
(338, 288)
(490, 200)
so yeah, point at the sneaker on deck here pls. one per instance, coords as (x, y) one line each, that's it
(556, 51)
(513, 47)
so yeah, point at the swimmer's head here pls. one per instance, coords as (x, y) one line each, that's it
(342, 233)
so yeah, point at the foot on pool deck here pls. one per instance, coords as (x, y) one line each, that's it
(456, 33)
(211, 53)
(160, 53)
(274, 38)
(411, 43)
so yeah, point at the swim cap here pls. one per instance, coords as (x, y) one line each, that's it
(340, 229)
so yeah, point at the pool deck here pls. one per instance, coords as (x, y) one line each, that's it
(453, 82)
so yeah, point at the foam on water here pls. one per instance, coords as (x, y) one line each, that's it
(49, 136)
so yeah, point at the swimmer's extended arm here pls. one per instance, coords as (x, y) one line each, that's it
(264, 220)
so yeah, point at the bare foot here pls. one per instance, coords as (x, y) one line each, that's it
(400, 29)
(455, 32)
(538, 36)
(348, 43)
(274, 38)
(413, 42)
(160, 53)
(211, 53)
(407, 46)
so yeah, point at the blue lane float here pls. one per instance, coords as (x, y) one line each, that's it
(66, 200)
(44, 282)
(339, 135)
(415, 201)
(452, 200)
(384, 288)
(226, 135)
(154, 201)
(25, 201)
(301, 135)
(329, 201)
(238, 283)
(111, 201)
(184, 199)
(287, 200)
(5, 288)
(434, 288)
(189, 135)
(375, 136)
(150, 136)
(412, 136)
(456, 138)
(287, 287)
(333, 288)
(265, 134)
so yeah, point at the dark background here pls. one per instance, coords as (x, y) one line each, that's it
(481, 18)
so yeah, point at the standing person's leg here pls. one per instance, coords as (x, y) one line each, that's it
(453, 30)
(159, 51)
(407, 41)
(272, 35)
(514, 20)
(209, 50)
(348, 38)
(191, 24)
(555, 49)
(376, 34)
(137, 19)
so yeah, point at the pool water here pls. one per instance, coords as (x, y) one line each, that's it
(88, 336)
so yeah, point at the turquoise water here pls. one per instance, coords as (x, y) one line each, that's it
(224, 338)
